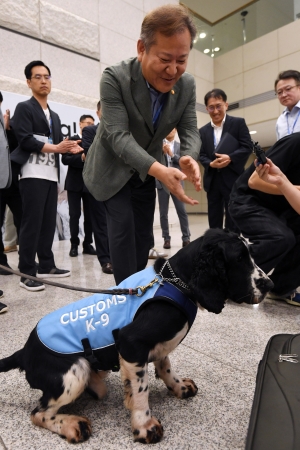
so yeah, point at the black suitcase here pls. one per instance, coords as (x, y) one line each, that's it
(275, 416)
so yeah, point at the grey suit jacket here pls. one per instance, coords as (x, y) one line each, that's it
(5, 166)
(126, 142)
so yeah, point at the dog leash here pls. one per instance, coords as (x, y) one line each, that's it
(138, 291)
(135, 291)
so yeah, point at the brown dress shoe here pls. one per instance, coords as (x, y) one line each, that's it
(167, 244)
(185, 243)
(107, 268)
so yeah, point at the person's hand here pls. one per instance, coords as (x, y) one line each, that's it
(6, 117)
(270, 173)
(190, 168)
(171, 178)
(221, 161)
(167, 150)
(68, 146)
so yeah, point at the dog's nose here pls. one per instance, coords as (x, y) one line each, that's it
(264, 285)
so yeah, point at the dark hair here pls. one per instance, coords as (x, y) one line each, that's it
(32, 64)
(215, 93)
(288, 74)
(1, 97)
(86, 116)
(98, 106)
(167, 20)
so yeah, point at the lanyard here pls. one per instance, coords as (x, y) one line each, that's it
(294, 124)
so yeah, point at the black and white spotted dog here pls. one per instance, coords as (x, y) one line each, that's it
(207, 272)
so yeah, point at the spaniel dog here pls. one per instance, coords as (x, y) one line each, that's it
(74, 348)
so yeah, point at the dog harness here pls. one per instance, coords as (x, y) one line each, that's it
(94, 318)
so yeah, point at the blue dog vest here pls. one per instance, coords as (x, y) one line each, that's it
(96, 317)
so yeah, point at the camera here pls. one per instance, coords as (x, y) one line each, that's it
(260, 154)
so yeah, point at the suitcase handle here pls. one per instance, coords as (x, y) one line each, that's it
(288, 358)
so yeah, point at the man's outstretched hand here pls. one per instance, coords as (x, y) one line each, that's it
(172, 178)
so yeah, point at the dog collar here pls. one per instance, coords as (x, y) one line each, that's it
(174, 279)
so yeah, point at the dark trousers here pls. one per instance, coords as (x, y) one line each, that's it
(275, 242)
(3, 257)
(163, 202)
(39, 202)
(10, 197)
(99, 226)
(130, 215)
(74, 200)
(217, 202)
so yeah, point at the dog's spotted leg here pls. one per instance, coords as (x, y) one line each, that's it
(181, 387)
(145, 428)
(97, 385)
(73, 428)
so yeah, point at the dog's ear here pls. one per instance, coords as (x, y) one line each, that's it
(208, 283)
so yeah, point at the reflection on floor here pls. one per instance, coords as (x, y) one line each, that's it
(220, 354)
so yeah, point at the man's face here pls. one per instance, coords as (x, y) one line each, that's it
(217, 108)
(39, 85)
(86, 123)
(166, 60)
(288, 92)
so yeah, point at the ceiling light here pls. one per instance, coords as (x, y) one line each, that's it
(217, 49)
(202, 35)
(206, 50)
(212, 55)
(195, 40)
(252, 132)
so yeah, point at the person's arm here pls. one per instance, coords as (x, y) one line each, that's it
(116, 123)
(88, 135)
(258, 184)
(23, 127)
(272, 175)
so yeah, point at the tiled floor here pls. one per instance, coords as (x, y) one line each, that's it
(220, 354)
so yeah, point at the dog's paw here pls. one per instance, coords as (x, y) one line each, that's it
(149, 433)
(75, 429)
(188, 389)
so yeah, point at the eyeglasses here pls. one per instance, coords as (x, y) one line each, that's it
(285, 90)
(218, 107)
(39, 77)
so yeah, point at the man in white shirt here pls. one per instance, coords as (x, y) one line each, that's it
(40, 140)
(226, 145)
(287, 88)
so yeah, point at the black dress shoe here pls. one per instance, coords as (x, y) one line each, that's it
(3, 271)
(89, 250)
(185, 243)
(167, 244)
(74, 250)
(107, 268)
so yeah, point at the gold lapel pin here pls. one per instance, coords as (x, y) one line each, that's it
(172, 92)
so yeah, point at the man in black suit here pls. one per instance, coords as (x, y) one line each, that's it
(222, 169)
(38, 130)
(98, 213)
(77, 191)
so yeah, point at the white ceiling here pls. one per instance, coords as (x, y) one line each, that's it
(214, 11)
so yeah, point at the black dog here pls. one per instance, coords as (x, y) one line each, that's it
(207, 272)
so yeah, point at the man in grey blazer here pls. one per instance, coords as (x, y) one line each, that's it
(142, 100)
